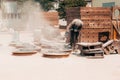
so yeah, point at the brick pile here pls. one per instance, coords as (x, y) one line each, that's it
(51, 17)
(72, 13)
(96, 20)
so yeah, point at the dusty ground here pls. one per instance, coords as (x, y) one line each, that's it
(36, 67)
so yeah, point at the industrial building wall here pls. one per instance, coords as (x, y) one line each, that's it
(100, 3)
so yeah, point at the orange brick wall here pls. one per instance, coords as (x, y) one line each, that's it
(52, 17)
(96, 20)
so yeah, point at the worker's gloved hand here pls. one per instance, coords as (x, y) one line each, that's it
(66, 34)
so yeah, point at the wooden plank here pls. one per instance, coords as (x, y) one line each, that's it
(116, 27)
(107, 43)
(90, 44)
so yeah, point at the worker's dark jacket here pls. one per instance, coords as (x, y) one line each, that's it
(74, 33)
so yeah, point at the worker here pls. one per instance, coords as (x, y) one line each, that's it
(72, 32)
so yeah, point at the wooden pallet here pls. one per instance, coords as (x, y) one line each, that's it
(91, 49)
(111, 47)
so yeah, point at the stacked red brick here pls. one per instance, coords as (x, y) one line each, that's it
(52, 17)
(95, 19)
(72, 13)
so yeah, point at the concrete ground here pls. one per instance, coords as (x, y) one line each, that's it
(36, 67)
